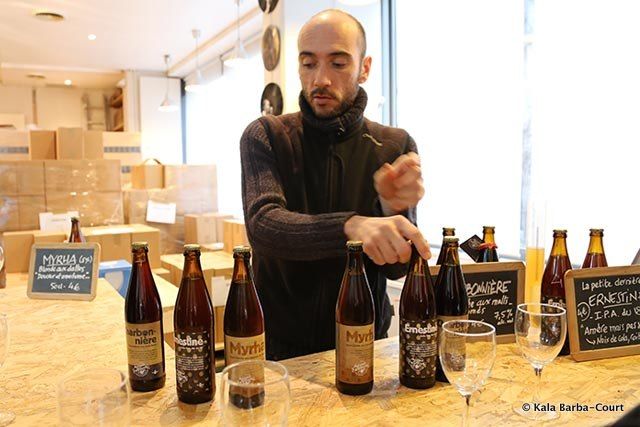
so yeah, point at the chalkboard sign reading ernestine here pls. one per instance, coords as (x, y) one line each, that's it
(494, 289)
(64, 271)
(603, 312)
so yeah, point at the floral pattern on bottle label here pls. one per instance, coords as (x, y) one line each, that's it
(193, 362)
(418, 348)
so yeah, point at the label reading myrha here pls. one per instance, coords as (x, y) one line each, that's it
(63, 269)
(354, 353)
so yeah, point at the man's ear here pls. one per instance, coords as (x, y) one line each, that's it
(365, 68)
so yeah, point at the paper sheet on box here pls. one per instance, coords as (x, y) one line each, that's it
(57, 222)
(164, 213)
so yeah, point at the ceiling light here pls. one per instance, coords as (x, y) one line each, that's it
(92, 37)
(67, 82)
(167, 105)
(197, 83)
(239, 55)
(47, 15)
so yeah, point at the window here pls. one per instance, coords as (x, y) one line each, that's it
(459, 94)
(216, 119)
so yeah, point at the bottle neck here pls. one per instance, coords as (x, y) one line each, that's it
(192, 267)
(595, 245)
(559, 247)
(451, 256)
(241, 269)
(488, 236)
(418, 264)
(355, 262)
(140, 260)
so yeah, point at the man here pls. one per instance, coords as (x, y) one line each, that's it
(313, 180)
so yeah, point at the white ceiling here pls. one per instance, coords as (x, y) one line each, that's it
(131, 34)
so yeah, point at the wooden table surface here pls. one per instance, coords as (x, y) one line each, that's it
(50, 338)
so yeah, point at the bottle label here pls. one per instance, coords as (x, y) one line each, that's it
(558, 302)
(193, 362)
(238, 349)
(144, 350)
(354, 353)
(418, 348)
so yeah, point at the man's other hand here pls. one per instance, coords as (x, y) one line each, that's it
(399, 185)
(385, 239)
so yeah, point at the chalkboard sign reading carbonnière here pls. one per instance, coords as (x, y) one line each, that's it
(603, 312)
(64, 271)
(494, 289)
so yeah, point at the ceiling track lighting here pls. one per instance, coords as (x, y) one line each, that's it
(239, 54)
(167, 105)
(197, 83)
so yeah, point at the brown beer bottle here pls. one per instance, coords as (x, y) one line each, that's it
(76, 235)
(488, 249)
(354, 327)
(244, 328)
(193, 324)
(143, 316)
(446, 232)
(418, 326)
(452, 302)
(552, 285)
(595, 254)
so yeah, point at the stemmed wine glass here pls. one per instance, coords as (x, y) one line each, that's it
(540, 333)
(6, 417)
(467, 352)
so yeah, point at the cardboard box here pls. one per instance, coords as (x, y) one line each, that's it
(147, 175)
(200, 228)
(214, 264)
(93, 146)
(123, 146)
(42, 145)
(14, 145)
(163, 273)
(95, 208)
(49, 237)
(66, 175)
(117, 273)
(107, 175)
(30, 177)
(144, 233)
(219, 324)
(29, 209)
(235, 234)
(9, 213)
(220, 219)
(190, 176)
(17, 250)
(115, 242)
(8, 179)
(70, 144)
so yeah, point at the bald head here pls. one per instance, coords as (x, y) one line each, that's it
(341, 21)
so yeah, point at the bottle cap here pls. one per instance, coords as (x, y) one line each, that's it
(241, 250)
(191, 248)
(139, 245)
(451, 239)
(354, 245)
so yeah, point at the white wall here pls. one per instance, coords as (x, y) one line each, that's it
(16, 100)
(161, 131)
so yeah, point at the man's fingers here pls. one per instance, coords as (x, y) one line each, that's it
(371, 249)
(388, 251)
(408, 177)
(411, 232)
(406, 160)
(401, 246)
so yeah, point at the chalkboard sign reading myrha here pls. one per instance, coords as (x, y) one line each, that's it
(494, 289)
(603, 309)
(64, 271)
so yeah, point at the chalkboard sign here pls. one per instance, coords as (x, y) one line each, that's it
(603, 309)
(494, 289)
(63, 271)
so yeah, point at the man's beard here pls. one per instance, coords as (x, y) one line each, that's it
(340, 109)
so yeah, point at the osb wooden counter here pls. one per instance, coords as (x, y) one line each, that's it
(49, 338)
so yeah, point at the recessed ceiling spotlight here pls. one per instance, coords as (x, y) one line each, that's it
(47, 15)
(92, 37)
(36, 76)
(68, 82)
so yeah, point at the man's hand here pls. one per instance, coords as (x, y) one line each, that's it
(385, 239)
(399, 185)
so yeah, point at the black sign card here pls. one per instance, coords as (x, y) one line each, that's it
(603, 312)
(494, 289)
(472, 247)
(64, 271)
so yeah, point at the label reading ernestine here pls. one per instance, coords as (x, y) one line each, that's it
(193, 361)
(354, 353)
(144, 350)
(418, 348)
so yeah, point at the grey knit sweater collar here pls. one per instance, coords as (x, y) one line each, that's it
(341, 125)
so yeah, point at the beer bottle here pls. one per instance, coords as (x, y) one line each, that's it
(418, 326)
(452, 302)
(488, 252)
(143, 316)
(3, 270)
(193, 324)
(354, 327)
(595, 254)
(76, 235)
(446, 232)
(244, 328)
(552, 286)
